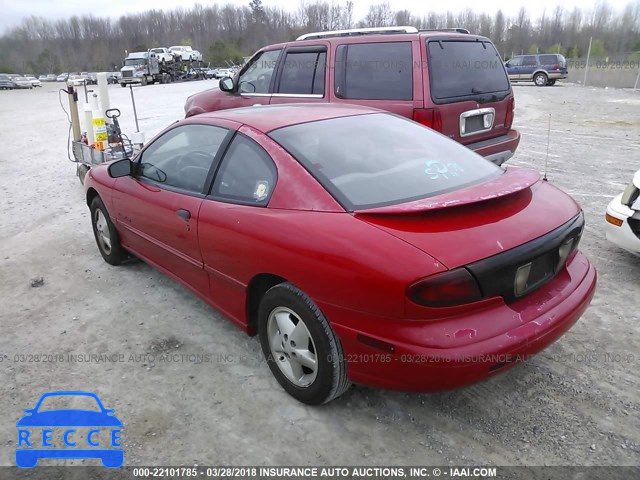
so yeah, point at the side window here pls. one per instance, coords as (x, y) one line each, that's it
(256, 76)
(247, 174)
(374, 71)
(182, 157)
(515, 62)
(529, 61)
(303, 73)
(548, 60)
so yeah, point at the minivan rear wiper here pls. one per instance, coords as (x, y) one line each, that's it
(475, 90)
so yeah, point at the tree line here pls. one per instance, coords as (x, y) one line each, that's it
(225, 33)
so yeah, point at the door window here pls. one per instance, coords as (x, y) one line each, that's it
(303, 73)
(247, 174)
(256, 76)
(515, 62)
(529, 61)
(182, 157)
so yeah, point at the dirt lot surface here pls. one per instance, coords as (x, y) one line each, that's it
(577, 403)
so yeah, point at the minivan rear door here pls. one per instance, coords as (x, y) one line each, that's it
(467, 83)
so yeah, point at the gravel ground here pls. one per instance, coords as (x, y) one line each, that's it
(571, 405)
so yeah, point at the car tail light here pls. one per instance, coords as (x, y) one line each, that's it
(447, 289)
(557, 67)
(511, 106)
(429, 117)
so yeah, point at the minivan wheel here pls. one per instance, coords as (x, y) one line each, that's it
(540, 79)
(301, 349)
(551, 83)
(106, 234)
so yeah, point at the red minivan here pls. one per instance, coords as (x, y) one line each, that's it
(449, 80)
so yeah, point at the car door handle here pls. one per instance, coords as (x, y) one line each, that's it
(184, 214)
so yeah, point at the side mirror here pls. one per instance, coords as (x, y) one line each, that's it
(226, 84)
(120, 168)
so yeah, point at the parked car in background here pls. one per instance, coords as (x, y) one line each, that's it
(113, 77)
(6, 83)
(542, 69)
(34, 81)
(225, 72)
(42, 78)
(443, 257)
(51, 77)
(76, 80)
(623, 217)
(211, 73)
(22, 82)
(451, 81)
(185, 53)
(62, 77)
(92, 78)
(163, 54)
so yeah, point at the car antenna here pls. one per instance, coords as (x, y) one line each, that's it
(546, 158)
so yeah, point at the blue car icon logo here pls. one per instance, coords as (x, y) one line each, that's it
(36, 431)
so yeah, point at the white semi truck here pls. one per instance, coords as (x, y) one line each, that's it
(141, 68)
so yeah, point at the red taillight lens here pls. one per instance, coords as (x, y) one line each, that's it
(511, 106)
(557, 67)
(429, 117)
(447, 289)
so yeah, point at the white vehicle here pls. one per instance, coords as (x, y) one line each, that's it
(76, 80)
(34, 81)
(185, 53)
(141, 68)
(22, 82)
(163, 54)
(225, 72)
(623, 218)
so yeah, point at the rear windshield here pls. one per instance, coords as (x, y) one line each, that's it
(380, 159)
(461, 70)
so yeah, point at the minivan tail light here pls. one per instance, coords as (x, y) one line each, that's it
(557, 67)
(429, 117)
(511, 106)
(446, 289)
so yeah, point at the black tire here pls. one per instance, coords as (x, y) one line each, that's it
(144, 81)
(330, 379)
(115, 254)
(551, 83)
(540, 79)
(122, 85)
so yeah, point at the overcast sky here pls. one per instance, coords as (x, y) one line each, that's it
(12, 11)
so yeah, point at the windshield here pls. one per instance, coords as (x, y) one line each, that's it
(368, 161)
(69, 402)
(134, 62)
(461, 70)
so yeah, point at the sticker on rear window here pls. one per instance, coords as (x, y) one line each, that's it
(436, 169)
(261, 191)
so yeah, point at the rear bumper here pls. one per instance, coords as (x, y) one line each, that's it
(557, 75)
(498, 149)
(441, 355)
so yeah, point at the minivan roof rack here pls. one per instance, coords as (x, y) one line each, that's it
(454, 29)
(357, 31)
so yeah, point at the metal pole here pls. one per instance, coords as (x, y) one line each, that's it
(586, 69)
(135, 113)
(637, 78)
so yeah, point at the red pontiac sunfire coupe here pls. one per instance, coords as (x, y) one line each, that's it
(360, 246)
